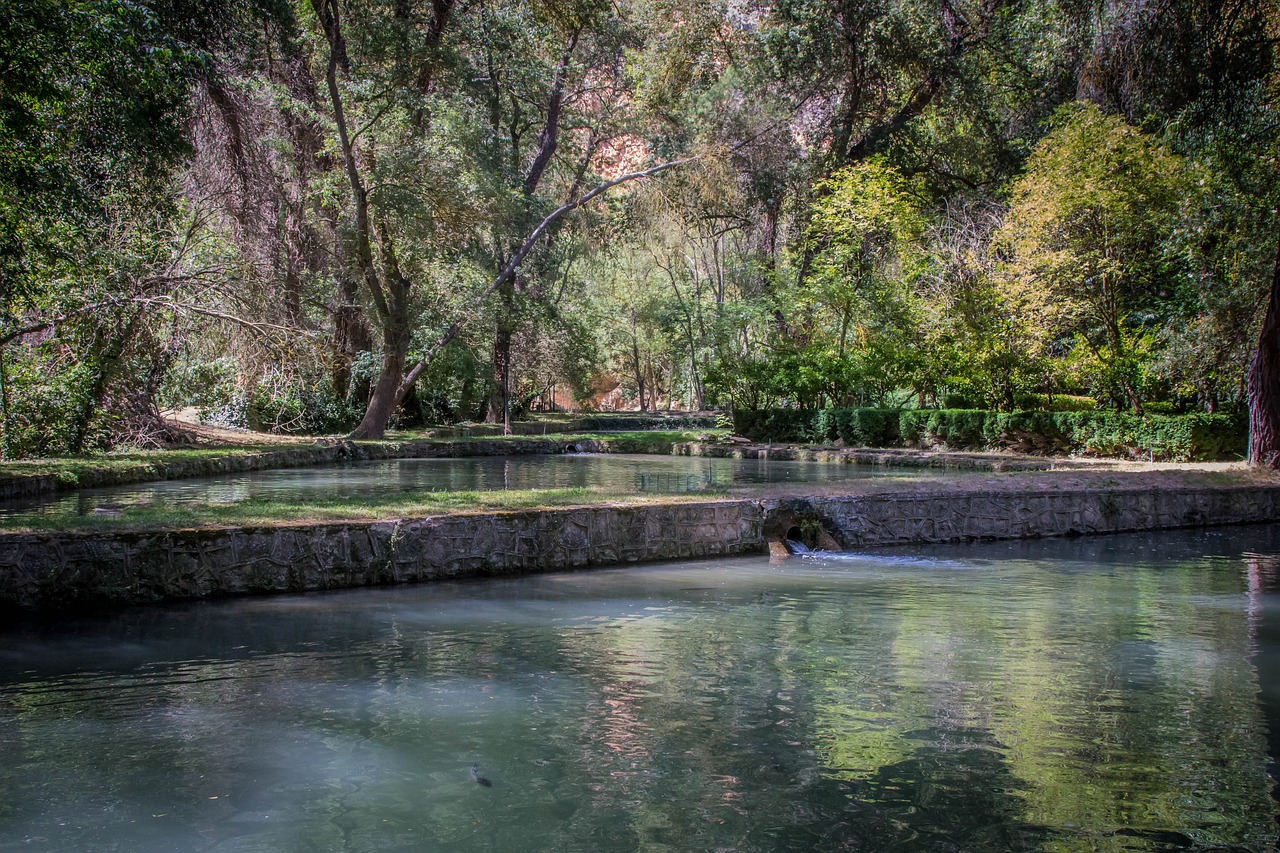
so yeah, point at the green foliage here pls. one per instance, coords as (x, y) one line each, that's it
(42, 406)
(286, 406)
(1180, 437)
(1084, 230)
(1156, 437)
(932, 227)
(864, 235)
(453, 388)
(92, 103)
(207, 384)
(956, 429)
(778, 425)
(1060, 403)
(858, 427)
(594, 423)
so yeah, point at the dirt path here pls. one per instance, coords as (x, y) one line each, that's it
(185, 421)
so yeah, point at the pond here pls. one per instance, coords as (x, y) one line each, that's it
(1109, 694)
(625, 473)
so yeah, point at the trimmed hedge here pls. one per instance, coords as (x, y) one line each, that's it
(635, 423)
(1157, 437)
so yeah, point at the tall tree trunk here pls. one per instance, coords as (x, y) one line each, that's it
(500, 395)
(388, 391)
(351, 337)
(1264, 384)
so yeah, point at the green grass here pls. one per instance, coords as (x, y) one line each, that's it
(264, 512)
(633, 437)
(70, 469)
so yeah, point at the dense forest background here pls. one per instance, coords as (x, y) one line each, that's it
(353, 214)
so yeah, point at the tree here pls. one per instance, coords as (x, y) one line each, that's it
(1264, 383)
(1084, 232)
(864, 238)
(92, 129)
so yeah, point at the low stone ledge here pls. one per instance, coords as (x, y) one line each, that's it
(888, 457)
(908, 519)
(40, 571)
(66, 571)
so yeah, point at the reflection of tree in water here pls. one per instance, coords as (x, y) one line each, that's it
(751, 710)
(1264, 619)
(954, 792)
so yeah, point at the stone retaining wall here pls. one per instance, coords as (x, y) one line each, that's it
(905, 519)
(888, 457)
(60, 571)
(48, 571)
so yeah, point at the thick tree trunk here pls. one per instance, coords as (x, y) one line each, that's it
(389, 390)
(500, 395)
(351, 337)
(1264, 384)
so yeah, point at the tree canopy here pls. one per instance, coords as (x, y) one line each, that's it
(343, 216)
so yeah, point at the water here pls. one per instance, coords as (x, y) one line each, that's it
(1111, 694)
(380, 480)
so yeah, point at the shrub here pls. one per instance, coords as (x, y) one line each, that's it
(1155, 437)
(1054, 402)
(287, 407)
(638, 422)
(868, 427)
(785, 425)
(954, 429)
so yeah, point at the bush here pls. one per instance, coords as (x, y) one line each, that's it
(639, 422)
(287, 407)
(1055, 402)
(784, 425)
(1158, 437)
(868, 427)
(207, 384)
(1155, 437)
(953, 429)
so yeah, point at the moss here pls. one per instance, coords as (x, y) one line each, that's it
(273, 512)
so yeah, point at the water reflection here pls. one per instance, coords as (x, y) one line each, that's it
(636, 474)
(1088, 695)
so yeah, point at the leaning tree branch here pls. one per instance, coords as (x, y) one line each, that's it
(258, 326)
(514, 263)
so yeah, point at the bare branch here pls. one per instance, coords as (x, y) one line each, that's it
(261, 327)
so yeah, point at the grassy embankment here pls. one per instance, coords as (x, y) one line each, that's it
(257, 513)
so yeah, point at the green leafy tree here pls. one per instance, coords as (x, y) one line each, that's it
(865, 237)
(1084, 232)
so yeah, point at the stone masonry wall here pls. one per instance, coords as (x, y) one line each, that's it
(915, 519)
(49, 571)
(46, 571)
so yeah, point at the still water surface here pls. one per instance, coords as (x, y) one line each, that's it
(1111, 694)
(625, 473)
